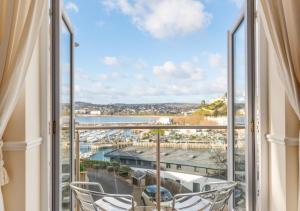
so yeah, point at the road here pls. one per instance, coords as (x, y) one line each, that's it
(110, 182)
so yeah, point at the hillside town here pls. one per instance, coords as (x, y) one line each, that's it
(217, 107)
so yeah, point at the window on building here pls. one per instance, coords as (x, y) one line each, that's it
(196, 187)
(178, 167)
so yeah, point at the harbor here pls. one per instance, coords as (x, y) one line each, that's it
(189, 156)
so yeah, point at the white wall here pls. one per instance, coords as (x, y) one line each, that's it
(283, 143)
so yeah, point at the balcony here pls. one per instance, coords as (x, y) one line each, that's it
(169, 159)
(168, 52)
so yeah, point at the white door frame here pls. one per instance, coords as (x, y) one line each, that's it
(248, 16)
(58, 16)
(262, 116)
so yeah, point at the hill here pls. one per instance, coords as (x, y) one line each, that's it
(216, 108)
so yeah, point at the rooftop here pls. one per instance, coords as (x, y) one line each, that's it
(188, 157)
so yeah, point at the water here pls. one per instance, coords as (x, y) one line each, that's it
(85, 148)
(105, 135)
(100, 154)
(116, 119)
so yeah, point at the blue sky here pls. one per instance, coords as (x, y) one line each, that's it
(151, 51)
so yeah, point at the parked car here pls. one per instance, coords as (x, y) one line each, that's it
(149, 196)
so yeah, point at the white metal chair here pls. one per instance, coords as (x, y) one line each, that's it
(91, 197)
(214, 197)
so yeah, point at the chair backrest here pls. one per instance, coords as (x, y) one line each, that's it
(217, 194)
(83, 194)
(86, 201)
(222, 196)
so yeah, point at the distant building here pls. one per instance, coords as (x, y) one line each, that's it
(164, 120)
(220, 120)
(176, 160)
(81, 111)
(95, 112)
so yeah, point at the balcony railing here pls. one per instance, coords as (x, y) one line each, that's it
(157, 155)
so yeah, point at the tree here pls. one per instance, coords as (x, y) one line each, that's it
(203, 103)
(219, 156)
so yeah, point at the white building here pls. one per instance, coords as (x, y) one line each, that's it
(164, 120)
(95, 112)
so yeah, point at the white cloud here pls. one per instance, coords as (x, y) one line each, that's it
(167, 69)
(119, 75)
(116, 74)
(186, 70)
(139, 77)
(125, 62)
(110, 61)
(71, 6)
(193, 72)
(77, 89)
(109, 4)
(216, 86)
(139, 92)
(100, 23)
(139, 64)
(81, 76)
(216, 61)
(238, 3)
(163, 18)
(103, 77)
(96, 88)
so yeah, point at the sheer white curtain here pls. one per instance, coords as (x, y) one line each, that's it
(282, 22)
(20, 22)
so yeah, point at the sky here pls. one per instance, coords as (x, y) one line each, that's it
(151, 51)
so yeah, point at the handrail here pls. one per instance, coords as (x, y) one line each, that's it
(123, 126)
(112, 127)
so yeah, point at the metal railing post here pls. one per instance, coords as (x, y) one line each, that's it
(140, 127)
(158, 171)
(77, 163)
(77, 155)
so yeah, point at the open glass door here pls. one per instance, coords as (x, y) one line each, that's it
(63, 128)
(237, 113)
(241, 109)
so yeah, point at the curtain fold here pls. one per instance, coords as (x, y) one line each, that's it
(281, 19)
(20, 22)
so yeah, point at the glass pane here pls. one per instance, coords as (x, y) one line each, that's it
(191, 158)
(65, 117)
(239, 74)
(123, 161)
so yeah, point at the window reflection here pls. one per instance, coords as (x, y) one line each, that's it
(239, 74)
(65, 117)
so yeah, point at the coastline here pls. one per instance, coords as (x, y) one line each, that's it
(176, 120)
(142, 116)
